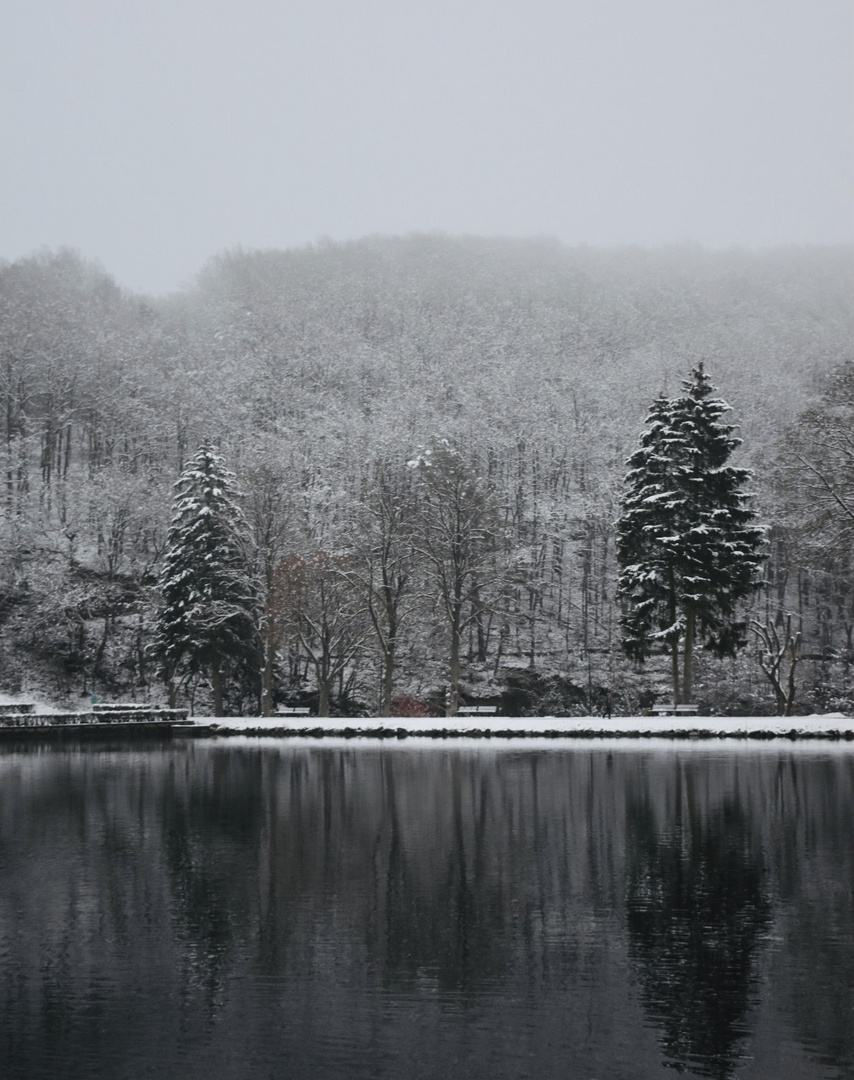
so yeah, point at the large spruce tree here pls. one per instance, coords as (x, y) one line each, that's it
(688, 545)
(204, 622)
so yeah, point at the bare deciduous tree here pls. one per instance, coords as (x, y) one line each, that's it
(779, 646)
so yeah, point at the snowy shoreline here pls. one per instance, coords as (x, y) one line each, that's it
(832, 726)
(835, 726)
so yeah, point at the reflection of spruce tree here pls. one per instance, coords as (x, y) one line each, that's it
(696, 911)
(211, 827)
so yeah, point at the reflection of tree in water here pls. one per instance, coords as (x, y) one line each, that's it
(211, 820)
(697, 909)
(450, 909)
(822, 989)
(285, 858)
(815, 854)
(454, 930)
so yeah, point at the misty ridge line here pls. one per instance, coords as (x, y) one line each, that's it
(318, 372)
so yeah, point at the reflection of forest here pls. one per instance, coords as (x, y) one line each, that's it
(204, 907)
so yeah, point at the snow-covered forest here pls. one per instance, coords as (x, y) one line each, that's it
(364, 396)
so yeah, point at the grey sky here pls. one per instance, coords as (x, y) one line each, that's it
(151, 135)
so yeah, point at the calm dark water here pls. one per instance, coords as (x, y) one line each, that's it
(224, 910)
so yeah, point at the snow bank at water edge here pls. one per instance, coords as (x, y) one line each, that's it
(829, 726)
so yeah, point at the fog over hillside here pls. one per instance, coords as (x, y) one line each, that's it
(313, 371)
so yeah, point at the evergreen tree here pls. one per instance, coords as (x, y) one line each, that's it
(204, 621)
(687, 543)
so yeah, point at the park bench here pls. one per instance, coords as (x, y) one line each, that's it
(675, 710)
(288, 710)
(468, 710)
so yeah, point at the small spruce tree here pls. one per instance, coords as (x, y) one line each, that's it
(688, 545)
(204, 622)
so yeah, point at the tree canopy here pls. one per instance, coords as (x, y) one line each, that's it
(204, 621)
(688, 545)
(313, 368)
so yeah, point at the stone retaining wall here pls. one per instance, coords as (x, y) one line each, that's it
(89, 719)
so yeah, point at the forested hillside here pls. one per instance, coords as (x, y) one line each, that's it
(371, 397)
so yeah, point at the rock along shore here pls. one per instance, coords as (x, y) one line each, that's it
(830, 727)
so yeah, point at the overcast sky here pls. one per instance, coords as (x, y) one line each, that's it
(152, 134)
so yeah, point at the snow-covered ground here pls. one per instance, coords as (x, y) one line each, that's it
(546, 728)
(829, 725)
(42, 707)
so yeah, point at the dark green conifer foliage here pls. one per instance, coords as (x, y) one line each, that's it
(688, 545)
(204, 621)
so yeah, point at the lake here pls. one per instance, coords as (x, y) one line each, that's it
(258, 908)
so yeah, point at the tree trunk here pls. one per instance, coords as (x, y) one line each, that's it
(688, 658)
(792, 643)
(388, 679)
(216, 686)
(454, 662)
(98, 662)
(674, 648)
(267, 679)
(674, 665)
(388, 647)
(793, 663)
(323, 697)
(779, 696)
